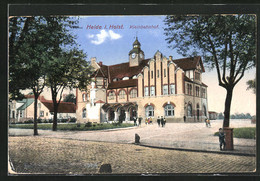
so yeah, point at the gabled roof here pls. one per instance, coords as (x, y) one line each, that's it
(187, 79)
(123, 84)
(64, 107)
(189, 63)
(123, 69)
(26, 103)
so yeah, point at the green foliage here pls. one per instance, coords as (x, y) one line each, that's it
(251, 85)
(247, 133)
(227, 42)
(70, 98)
(72, 126)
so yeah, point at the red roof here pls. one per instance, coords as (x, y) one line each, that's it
(64, 107)
(99, 101)
(189, 63)
(123, 84)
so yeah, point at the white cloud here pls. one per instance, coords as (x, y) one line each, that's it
(101, 37)
(113, 35)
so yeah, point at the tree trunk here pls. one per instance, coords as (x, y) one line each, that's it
(35, 116)
(55, 112)
(227, 107)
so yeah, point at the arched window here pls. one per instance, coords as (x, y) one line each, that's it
(84, 97)
(84, 113)
(169, 110)
(189, 109)
(122, 94)
(149, 111)
(205, 110)
(111, 95)
(133, 93)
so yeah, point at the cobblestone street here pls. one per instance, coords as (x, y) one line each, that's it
(62, 156)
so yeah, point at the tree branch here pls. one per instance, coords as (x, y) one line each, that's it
(216, 62)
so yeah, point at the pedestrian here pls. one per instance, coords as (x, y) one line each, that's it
(184, 118)
(209, 125)
(139, 120)
(150, 120)
(162, 121)
(221, 136)
(146, 121)
(134, 121)
(158, 121)
(206, 121)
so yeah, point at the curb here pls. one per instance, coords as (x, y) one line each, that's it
(201, 151)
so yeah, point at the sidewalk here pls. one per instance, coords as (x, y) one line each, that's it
(179, 136)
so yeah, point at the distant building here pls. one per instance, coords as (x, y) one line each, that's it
(157, 86)
(23, 110)
(213, 115)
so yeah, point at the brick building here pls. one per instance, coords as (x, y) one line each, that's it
(157, 86)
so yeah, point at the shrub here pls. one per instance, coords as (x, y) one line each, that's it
(39, 120)
(73, 120)
(50, 121)
(45, 121)
(63, 120)
(88, 124)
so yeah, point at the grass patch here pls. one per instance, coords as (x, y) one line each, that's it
(72, 127)
(247, 133)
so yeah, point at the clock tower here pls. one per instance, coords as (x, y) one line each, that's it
(136, 55)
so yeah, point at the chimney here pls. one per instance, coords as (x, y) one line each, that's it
(170, 58)
(93, 60)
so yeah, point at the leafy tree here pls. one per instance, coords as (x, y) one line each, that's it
(251, 85)
(70, 98)
(27, 57)
(70, 70)
(220, 116)
(226, 41)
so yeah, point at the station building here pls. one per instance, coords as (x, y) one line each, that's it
(146, 87)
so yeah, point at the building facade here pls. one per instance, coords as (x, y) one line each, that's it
(157, 86)
(23, 110)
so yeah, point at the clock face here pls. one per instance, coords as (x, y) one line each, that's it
(133, 55)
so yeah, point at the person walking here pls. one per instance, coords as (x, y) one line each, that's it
(184, 118)
(158, 121)
(222, 141)
(139, 120)
(162, 121)
(134, 121)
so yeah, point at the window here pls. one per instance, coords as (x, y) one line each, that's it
(122, 94)
(146, 91)
(158, 75)
(197, 91)
(169, 110)
(205, 110)
(151, 74)
(203, 92)
(165, 90)
(84, 97)
(84, 113)
(189, 89)
(197, 75)
(152, 92)
(149, 111)
(41, 113)
(164, 72)
(189, 109)
(46, 114)
(133, 93)
(172, 89)
(21, 113)
(111, 95)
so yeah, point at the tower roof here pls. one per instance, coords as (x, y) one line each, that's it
(136, 42)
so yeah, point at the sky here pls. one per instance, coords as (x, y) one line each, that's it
(110, 38)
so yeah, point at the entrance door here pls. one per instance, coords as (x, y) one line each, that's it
(122, 115)
(111, 115)
(132, 112)
(198, 114)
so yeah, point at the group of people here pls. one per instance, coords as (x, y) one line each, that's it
(161, 121)
(139, 119)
